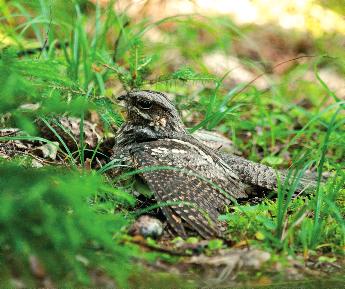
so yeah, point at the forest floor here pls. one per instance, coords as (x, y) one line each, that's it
(272, 95)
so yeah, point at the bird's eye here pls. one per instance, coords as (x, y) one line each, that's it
(144, 104)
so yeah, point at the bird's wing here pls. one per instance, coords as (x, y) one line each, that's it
(177, 173)
(180, 201)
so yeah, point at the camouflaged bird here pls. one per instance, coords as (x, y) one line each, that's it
(192, 181)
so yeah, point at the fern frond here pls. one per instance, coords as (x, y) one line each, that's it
(185, 74)
(138, 63)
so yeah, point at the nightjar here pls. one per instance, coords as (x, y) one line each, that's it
(190, 181)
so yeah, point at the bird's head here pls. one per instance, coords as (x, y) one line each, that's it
(152, 114)
(152, 109)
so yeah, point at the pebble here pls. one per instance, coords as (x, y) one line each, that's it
(147, 226)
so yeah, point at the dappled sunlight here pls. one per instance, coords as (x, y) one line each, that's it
(301, 15)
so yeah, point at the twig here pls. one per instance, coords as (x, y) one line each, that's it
(109, 67)
(37, 158)
(160, 249)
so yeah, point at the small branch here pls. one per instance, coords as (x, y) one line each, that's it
(39, 159)
(142, 243)
(109, 67)
(118, 73)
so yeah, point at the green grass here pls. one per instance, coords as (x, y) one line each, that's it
(91, 53)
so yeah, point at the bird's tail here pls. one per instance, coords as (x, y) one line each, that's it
(266, 177)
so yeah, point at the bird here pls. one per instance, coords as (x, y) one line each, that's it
(191, 182)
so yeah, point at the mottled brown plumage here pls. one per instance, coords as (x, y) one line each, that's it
(192, 182)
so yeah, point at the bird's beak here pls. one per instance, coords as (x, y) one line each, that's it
(124, 113)
(127, 106)
(123, 105)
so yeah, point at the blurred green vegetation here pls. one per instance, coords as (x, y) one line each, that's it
(45, 214)
(335, 5)
(71, 57)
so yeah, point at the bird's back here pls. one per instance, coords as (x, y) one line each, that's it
(184, 173)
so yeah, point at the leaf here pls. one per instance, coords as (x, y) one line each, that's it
(267, 222)
(259, 235)
(325, 259)
(272, 160)
(48, 150)
(192, 240)
(215, 244)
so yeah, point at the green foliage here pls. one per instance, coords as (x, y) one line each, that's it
(72, 221)
(215, 244)
(137, 64)
(185, 74)
(44, 213)
(290, 224)
(37, 83)
(136, 77)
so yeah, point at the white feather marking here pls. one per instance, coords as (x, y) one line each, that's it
(159, 151)
(194, 147)
(176, 151)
